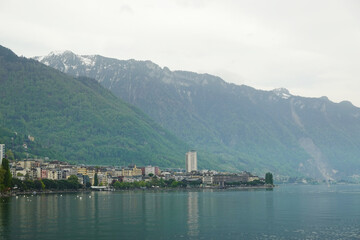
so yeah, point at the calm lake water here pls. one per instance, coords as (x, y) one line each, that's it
(287, 212)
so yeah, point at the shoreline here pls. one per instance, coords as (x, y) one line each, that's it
(17, 193)
(34, 192)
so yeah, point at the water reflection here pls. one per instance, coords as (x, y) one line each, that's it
(5, 217)
(193, 214)
(296, 212)
(270, 211)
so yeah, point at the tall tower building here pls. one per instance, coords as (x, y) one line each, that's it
(2, 152)
(191, 161)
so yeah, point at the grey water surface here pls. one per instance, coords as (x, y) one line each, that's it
(287, 212)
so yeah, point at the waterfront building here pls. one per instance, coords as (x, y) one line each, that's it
(55, 164)
(127, 172)
(67, 172)
(2, 152)
(85, 179)
(166, 175)
(207, 179)
(191, 161)
(27, 163)
(136, 171)
(221, 179)
(103, 179)
(253, 178)
(32, 173)
(130, 171)
(38, 172)
(44, 173)
(131, 179)
(91, 172)
(179, 177)
(55, 174)
(82, 170)
(151, 169)
(117, 172)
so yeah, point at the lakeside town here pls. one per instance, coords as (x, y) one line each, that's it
(111, 177)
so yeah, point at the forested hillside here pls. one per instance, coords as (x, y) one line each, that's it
(79, 119)
(238, 127)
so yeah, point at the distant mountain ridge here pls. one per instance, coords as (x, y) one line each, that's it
(240, 127)
(79, 119)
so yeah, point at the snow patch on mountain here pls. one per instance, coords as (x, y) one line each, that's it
(66, 67)
(39, 58)
(282, 93)
(59, 52)
(87, 60)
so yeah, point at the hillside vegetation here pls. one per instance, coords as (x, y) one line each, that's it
(237, 127)
(79, 119)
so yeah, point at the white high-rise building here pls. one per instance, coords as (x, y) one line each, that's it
(2, 152)
(191, 161)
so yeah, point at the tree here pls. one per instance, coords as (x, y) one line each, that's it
(39, 185)
(96, 180)
(73, 178)
(174, 184)
(73, 182)
(161, 182)
(18, 184)
(6, 174)
(142, 184)
(10, 155)
(2, 175)
(50, 184)
(269, 178)
(29, 184)
(117, 185)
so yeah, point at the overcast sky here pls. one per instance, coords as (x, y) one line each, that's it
(311, 47)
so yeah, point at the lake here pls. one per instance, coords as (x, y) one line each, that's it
(287, 212)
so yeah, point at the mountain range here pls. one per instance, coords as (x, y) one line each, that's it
(76, 119)
(233, 127)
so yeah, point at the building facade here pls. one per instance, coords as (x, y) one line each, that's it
(191, 161)
(151, 169)
(221, 179)
(2, 152)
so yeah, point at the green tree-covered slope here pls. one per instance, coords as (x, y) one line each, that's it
(20, 146)
(243, 128)
(79, 119)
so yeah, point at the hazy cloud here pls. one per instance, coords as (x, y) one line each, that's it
(309, 47)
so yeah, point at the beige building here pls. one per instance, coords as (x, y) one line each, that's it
(82, 170)
(26, 164)
(126, 172)
(129, 172)
(91, 172)
(103, 179)
(253, 178)
(136, 171)
(54, 174)
(191, 161)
